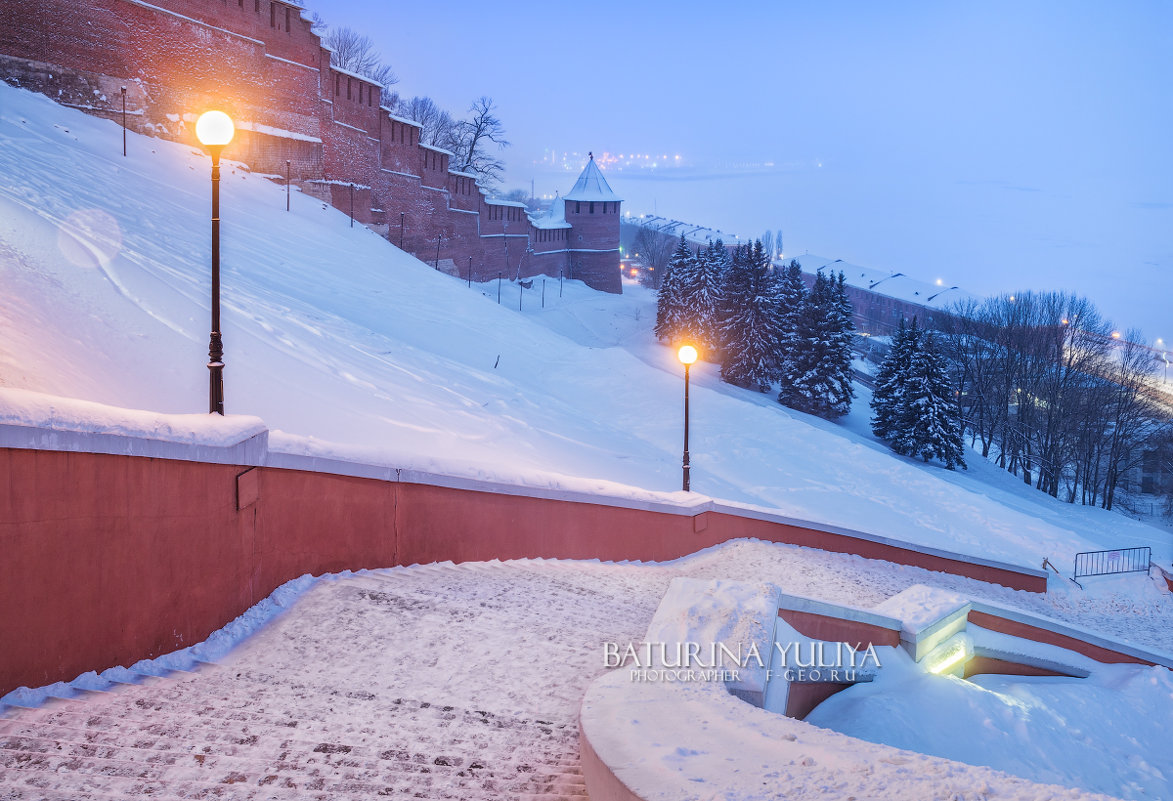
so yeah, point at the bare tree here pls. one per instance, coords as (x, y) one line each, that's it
(437, 126)
(474, 141)
(654, 250)
(354, 52)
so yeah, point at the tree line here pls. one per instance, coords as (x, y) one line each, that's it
(761, 324)
(1053, 395)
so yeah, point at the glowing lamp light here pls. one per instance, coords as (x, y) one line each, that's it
(1115, 335)
(687, 354)
(214, 129)
(949, 655)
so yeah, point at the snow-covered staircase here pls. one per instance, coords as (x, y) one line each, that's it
(370, 688)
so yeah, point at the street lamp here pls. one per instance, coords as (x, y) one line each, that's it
(214, 129)
(687, 355)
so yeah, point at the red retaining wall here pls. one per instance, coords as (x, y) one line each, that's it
(837, 629)
(1037, 634)
(110, 559)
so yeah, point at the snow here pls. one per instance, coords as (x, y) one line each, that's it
(890, 284)
(269, 130)
(591, 185)
(553, 217)
(1104, 733)
(518, 641)
(108, 300)
(359, 76)
(24, 409)
(695, 740)
(403, 120)
(357, 354)
(696, 234)
(919, 607)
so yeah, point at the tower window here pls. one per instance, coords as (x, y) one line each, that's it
(577, 207)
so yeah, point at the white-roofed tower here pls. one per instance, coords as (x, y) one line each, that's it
(592, 210)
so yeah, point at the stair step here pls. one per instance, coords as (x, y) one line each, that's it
(136, 779)
(150, 746)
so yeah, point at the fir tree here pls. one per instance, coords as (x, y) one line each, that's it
(790, 293)
(840, 334)
(749, 329)
(700, 291)
(670, 312)
(888, 395)
(817, 376)
(926, 420)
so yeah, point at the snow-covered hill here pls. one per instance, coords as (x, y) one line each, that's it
(347, 345)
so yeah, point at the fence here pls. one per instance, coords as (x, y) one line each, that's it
(1103, 563)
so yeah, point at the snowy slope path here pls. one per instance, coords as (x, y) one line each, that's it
(349, 348)
(438, 681)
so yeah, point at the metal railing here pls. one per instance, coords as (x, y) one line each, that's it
(1121, 560)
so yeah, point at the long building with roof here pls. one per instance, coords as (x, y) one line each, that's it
(301, 119)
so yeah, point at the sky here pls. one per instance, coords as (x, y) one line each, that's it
(1001, 146)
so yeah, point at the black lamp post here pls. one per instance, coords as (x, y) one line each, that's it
(214, 129)
(687, 355)
(123, 122)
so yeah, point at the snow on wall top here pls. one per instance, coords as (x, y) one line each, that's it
(893, 285)
(591, 185)
(269, 130)
(736, 613)
(436, 149)
(348, 73)
(22, 407)
(697, 234)
(403, 120)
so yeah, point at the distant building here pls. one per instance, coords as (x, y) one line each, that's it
(259, 61)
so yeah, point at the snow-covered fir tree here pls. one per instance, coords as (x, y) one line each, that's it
(790, 294)
(817, 379)
(700, 296)
(749, 325)
(926, 420)
(670, 311)
(887, 398)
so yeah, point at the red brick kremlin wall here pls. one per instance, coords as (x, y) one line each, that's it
(259, 61)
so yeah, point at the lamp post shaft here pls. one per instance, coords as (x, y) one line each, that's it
(215, 345)
(686, 465)
(287, 171)
(124, 122)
